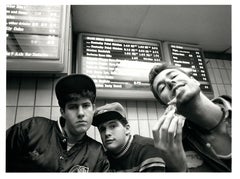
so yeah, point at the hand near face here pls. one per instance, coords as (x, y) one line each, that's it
(167, 134)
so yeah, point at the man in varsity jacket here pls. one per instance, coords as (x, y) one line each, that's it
(125, 152)
(39, 144)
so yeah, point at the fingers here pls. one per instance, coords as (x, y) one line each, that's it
(156, 129)
(180, 124)
(168, 128)
(165, 126)
(172, 130)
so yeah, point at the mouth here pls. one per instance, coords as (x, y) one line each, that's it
(82, 122)
(177, 87)
(109, 141)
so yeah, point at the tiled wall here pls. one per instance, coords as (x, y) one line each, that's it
(34, 96)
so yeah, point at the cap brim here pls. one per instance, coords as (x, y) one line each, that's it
(106, 116)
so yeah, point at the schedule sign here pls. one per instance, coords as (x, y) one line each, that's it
(117, 63)
(33, 31)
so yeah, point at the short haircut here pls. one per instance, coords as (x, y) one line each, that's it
(158, 69)
(77, 96)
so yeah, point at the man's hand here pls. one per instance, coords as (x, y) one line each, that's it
(167, 134)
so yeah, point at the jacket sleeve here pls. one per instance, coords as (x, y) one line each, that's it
(15, 144)
(103, 164)
(151, 160)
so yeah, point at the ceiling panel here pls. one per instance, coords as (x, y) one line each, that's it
(206, 25)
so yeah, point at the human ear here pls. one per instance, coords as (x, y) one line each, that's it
(94, 107)
(127, 127)
(61, 111)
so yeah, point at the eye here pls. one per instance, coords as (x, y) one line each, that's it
(173, 75)
(72, 106)
(112, 126)
(161, 87)
(86, 105)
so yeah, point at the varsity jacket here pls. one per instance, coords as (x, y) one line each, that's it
(37, 145)
(201, 157)
(139, 155)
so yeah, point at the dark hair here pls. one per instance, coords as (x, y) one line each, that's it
(76, 96)
(158, 69)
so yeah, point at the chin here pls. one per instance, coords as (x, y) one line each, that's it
(185, 97)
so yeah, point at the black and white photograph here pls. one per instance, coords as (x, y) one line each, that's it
(118, 88)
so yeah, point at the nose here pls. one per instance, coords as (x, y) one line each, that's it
(80, 112)
(107, 132)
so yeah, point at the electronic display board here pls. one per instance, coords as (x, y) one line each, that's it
(119, 66)
(37, 36)
(191, 57)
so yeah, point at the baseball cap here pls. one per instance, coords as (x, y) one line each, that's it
(109, 112)
(74, 83)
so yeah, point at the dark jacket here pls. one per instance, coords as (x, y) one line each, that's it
(37, 145)
(200, 155)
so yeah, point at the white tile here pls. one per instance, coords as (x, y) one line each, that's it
(220, 63)
(24, 113)
(224, 76)
(228, 64)
(132, 110)
(134, 128)
(42, 111)
(27, 92)
(142, 110)
(10, 116)
(12, 91)
(211, 75)
(228, 89)
(215, 90)
(144, 128)
(213, 63)
(44, 92)
(221, 89)
(55, 113)
(217, 75)
(151, 110)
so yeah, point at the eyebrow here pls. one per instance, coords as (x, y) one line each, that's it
(111, 122)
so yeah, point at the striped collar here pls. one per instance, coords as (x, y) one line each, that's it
(59, 122)
(125, 148)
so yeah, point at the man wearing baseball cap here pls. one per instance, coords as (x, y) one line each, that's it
(126, 153)
(39, 144)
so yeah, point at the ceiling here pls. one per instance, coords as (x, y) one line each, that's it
(208, 26)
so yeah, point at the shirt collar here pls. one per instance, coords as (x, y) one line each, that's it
(60, 122)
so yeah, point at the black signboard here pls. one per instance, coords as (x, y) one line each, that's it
(119, 65)
(38, 38)
(33, 31)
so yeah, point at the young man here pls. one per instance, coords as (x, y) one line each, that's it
(207, 128)
(126, 153)
(42, 145)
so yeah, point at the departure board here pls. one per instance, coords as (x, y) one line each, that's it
(38, 39)
(189, 56)
(119, 66)
(33, 31)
